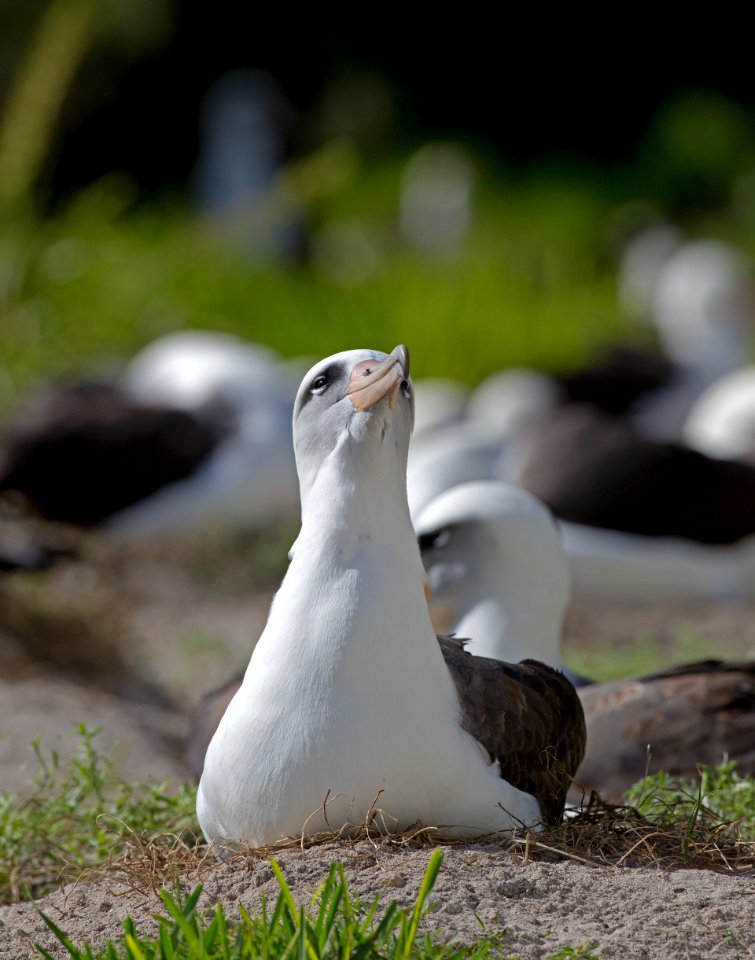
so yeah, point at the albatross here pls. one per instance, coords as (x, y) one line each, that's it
(350, 701)
(497, 572)
(196, 432)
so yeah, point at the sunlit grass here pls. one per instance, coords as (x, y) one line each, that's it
(335, 926)
(85, 289)
(720, 791)
(76, 816)
(605, 662)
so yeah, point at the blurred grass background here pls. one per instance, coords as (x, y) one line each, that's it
(89, 273)
(95, 282)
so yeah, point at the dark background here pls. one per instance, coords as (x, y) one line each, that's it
(521, 87)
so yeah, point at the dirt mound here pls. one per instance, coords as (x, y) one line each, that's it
(535, 908)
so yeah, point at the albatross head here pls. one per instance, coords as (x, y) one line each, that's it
(350, 409)
(496, 570)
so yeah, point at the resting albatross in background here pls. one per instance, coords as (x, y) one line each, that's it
(488, 548)
(496, 569)
(350, 699)
(196, 432)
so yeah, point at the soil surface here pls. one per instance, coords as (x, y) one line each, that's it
(129, 639)
(534, 908)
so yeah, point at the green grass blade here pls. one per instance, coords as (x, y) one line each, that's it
(190, 903)
(330, 903)
(291, 946)
(285, 890)
(302, 934)
(134, 950)
(72, 950)
(181, 920)
(45, 953)
(210, 935)
(346, 940)
(409, 933)
(366, 923)
(389, 922)
(281, 918)
(222, 928)
(166, 943)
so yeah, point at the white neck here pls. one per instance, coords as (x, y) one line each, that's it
(340, 595)
(503, 630)
(510, 590)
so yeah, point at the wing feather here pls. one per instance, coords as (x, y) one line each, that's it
(527, 716)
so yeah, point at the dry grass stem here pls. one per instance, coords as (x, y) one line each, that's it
(601, 835)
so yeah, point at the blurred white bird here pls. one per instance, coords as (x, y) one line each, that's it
(197, 431)
(498, 576)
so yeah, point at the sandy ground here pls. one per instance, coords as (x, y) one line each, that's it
(129, 643)
(535, 908)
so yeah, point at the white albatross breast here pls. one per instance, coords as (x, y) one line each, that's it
(349, 700)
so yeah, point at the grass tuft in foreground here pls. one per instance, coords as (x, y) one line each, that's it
(334, 925)
(77, 817)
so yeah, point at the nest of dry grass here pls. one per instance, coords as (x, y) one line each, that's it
(599, 835)
(604, 834)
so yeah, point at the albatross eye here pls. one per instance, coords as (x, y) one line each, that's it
(319, 384)
(435, 540)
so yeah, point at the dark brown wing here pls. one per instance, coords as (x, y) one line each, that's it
(527, 715)
(82, 451)
(670, 721)
(593, 470)
(618, 376)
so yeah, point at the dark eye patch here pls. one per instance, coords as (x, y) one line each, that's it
(434, 540)
(320, 384)
(326, 377)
